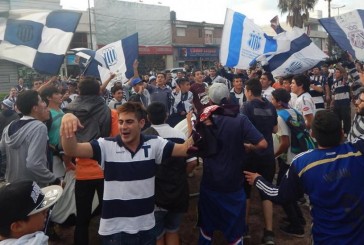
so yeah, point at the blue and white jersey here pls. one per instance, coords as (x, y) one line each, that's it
(317, 97)
(333, 180)
(128, 201)
(341, 92)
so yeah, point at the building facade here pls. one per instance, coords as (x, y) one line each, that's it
(196, 44)
(116, 20)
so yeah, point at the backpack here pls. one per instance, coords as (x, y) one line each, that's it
(300, 137)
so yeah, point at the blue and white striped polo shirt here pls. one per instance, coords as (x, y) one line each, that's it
(128, 201)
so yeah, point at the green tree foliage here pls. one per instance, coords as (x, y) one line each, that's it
(297, 10)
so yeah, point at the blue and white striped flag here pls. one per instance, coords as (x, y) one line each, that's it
(274, 23)
(348, 31)
(37, 38)
(242, 41)
(296, 54)
(89, 61)
(119, 57)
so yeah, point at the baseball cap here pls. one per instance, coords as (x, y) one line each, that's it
(8, 103)
(151, 78)
(136, 81)
(23, 198)
(217, 92)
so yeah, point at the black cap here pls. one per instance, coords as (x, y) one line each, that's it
(24, 198)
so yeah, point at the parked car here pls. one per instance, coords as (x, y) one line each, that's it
(174, 71)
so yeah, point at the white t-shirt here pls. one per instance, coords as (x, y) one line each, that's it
(267, 93)
(305, 104)
(283, 129)
(292, 101)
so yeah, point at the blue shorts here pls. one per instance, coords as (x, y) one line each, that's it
(166, 221)
(222, 211)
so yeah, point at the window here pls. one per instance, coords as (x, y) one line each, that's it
(79, 40)
(181, 32)
(200, 33)
(209, 37)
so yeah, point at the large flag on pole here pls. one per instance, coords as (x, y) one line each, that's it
(119, 57)
(298, 56)
(89, 61)
(242, 41)
(348, 31)
(37, 38)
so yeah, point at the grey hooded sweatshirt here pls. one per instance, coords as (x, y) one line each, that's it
(25, 144)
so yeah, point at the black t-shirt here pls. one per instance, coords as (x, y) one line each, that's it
(263, 115)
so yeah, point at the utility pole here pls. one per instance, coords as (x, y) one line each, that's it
(90, 25)
(329, 44)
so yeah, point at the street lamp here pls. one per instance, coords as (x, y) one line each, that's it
(338, 8)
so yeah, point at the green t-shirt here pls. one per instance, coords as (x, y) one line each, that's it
(53, 133)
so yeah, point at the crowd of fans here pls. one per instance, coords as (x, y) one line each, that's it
(111, 135)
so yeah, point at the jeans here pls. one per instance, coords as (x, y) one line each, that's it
(292, 210)
(141, 238)
(84, 192)
(344, 114)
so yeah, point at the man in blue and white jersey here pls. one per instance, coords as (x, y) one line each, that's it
(331, 176)
(357, 127)
(129, 163)
(317, 85)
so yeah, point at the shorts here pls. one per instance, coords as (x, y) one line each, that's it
(263, 165)
(166, 221)
(222, 211)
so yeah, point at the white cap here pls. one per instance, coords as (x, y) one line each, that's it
(217, 92)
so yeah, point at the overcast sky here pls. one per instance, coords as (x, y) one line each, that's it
(213, 11)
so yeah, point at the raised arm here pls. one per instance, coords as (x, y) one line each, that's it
(135, 68)
(104, 84)
(71, 147)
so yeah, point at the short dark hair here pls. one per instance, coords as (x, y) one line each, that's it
(182, 81)
(133, 107)
(89, 86)
(255, 86)
(48, 91)
(213, 68)
(195, 70)
(327, 129)
(5, 231)
(302, 80)
(164, 74)
(236, 76)
(269, 76)
(288, 78)
(115, 88)
(281, 95)
(157, 113)
(26, 100)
